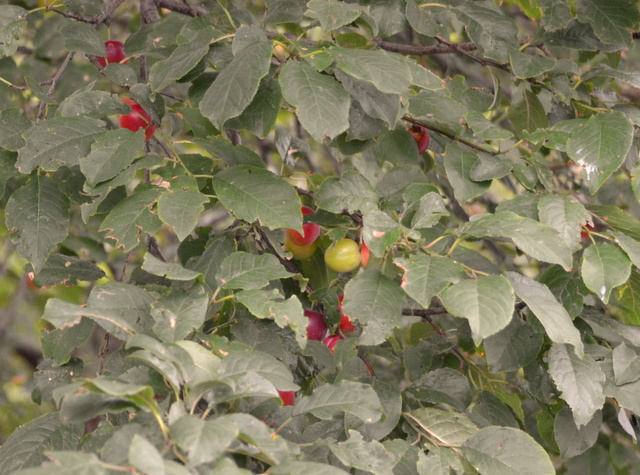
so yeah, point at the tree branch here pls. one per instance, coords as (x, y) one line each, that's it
(181, 7)
(54, 82)
(422, 50)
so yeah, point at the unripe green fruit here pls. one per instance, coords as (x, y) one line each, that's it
(343, 256)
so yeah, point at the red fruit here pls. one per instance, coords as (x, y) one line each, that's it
(138, 119)
(364, 255)
(288, 397)
(586, 231)
(316, 328)
(115, 53)
(311, 231)
(421, 136)
(345, 323)
(331, 341)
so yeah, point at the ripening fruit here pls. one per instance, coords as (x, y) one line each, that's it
(138, 119)
(343, 256)
(331, 341)
(345, 322)
(421, 136)
(311, 231)
(456, 37)
(115, 53)
(364, 254)
(316, 328)
(300, 252)
(288, 397)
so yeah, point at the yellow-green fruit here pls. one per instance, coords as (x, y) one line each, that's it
(455, 37)
(343, 256)
(300, 252)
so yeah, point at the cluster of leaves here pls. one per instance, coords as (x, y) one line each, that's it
(497, 317)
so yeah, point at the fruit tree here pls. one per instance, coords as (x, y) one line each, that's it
(320, 237)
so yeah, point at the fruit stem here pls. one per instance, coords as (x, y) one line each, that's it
(226, 12)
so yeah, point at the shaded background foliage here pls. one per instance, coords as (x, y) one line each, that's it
(146, 283)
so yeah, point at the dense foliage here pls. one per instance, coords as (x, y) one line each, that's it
(153, 191)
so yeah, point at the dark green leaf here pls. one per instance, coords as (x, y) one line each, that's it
(347, 396)
(459, 165)
(426, 276)
(604, 267)
(67, 270)
(350, 191)
(256, 194)
(38, 218)
(111, 153)
(242, 270)
(13, 122)
(181, 210)
(611, 23)
(79, 36)
(332, 15)
(528, 115)
(513, 347)
(13, 20)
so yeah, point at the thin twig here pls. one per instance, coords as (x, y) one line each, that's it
(54, 81)
(453, 137)
(181, 7)
(422, 50)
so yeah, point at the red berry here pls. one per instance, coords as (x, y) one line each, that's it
(421, 136)
(331, 341)
(288, 397)
(345, 323)
(584, 234)
(311, 231)
(138, 119)
(364, 254)
(316, 328)
(115, 53)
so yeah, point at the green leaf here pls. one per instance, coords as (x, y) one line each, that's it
(321, 103)
(431, 208)
(580, 381)
(121, 74)
(111, 153)
(630, 246)
(350, 191)
(262, 364)
(495, 450)
(375, 301)
(424, 20)
(144, 456)
(181, 210)
(260, 115)
(629, 299)
(396, 146)
(82, 37)
(38, 218)
(347, 396)
(572, 440)
(272, 305)
(565, 215)
(252, 193)
(513, 347)
(331, 14)
(179, 313)
(388, 72)
(242, 270)
(487, 410)
(95, 104)
(445, 427)
(182, 60)
(67, 270)
(363, 455)
(626, 364)
(611, 23)
(375, 103)
(59, 141)
(294, 467)
(536, 239)
(59, 343)
(487, 130)
(130, 216)
(63, 314)
(221, 147)
(284, 11)
(493, 32)
(426, 276)
(437, 105)
(7, 168)
(528, 115)
(526, 65)
(380, 231)
(553, 316)
(443, 385)
(13, 20)
(459, 165)
(604, 267)
(601, 147)
(203, 441)
(236, 85)
(487, 302)
(13, 122)
(26, 446)
(617, 219)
